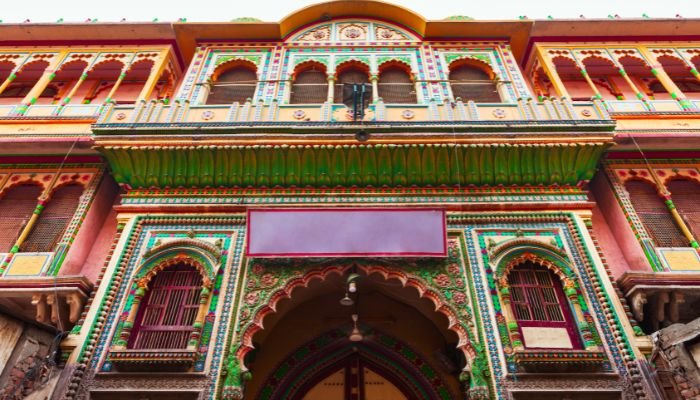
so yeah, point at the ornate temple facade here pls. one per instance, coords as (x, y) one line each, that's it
(351, 203)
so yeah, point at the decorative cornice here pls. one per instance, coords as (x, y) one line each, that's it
(344, 165)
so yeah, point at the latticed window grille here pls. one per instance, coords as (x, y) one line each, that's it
(471, 83)
(234, 85)
(395, 86)
(538, 300)
(348, 78)
(309, 87)
(534, 294)
(53, 220)
(654, 214)
(16, 208)
(168, 311)
(686, 197)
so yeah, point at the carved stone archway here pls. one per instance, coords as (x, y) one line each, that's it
(442, 281)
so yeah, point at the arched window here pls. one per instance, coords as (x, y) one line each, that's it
(654, 214)
(685, 194)
(473, 83)
(165, 319)
(234, 85)
(309, 87)
(16, 208)
(538, 301)
(395, 86)
(53, 219)
(344, 85)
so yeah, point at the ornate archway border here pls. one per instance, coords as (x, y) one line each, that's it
(385, 349)
(441, 281)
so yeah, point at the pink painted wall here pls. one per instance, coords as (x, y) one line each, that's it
(614, 232)
(92, 242)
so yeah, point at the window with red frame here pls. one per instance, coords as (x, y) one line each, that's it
(537, 300)
(168, 310)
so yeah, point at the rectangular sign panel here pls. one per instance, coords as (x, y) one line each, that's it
(347, 232)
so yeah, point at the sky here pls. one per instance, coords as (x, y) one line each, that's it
(274, 10)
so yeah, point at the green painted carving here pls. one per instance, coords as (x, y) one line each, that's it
(255, 59)
(402, 59)
(325, 60)
(441, 280)
(354, 165)
(449, 58)
(361, 59)
(235, 378)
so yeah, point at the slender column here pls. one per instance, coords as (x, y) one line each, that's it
(128, 325)
(46, 78)
(511, 322)
(588, 79)
(13, 74)
(666, 195)
(623, 74)
(665, 80)
(331, 88)
(75, 88)
(198, 325)
(156, 72)
(581, 323)
(551, 72)
(121, 77)
(375, 87)
(43, 199)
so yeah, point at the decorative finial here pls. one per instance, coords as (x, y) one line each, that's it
(645, 15)
(58, 21)
(522, 17)
(550, 17)
(155, 20)
(182, 20)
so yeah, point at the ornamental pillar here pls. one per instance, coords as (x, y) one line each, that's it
(48, 75)
(551, 72)
(128, 325)
(668, 200)
(331, 88)
(198, 325)
(375, 87)
(156, 71)
(75, 87)
(13, 74)
(658, 71)
(581, 323)
(511, 323)
(584, 73)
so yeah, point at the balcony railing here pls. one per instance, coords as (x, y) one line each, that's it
(183, 113)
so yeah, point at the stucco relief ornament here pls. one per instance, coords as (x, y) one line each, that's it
(408, 114)
(320, 35)
(299, 114)
(121, 116)
(586, 113)
(388, 34)
(207, 115)
(499, 113)
(352, 33)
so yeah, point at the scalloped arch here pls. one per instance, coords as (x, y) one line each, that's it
(394, 61)
(350, 62)
(407, 280)
(204, 256)
(233, 62)
(467, 60)
(511, 253)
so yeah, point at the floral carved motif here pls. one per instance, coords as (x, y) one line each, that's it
(384, 33)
